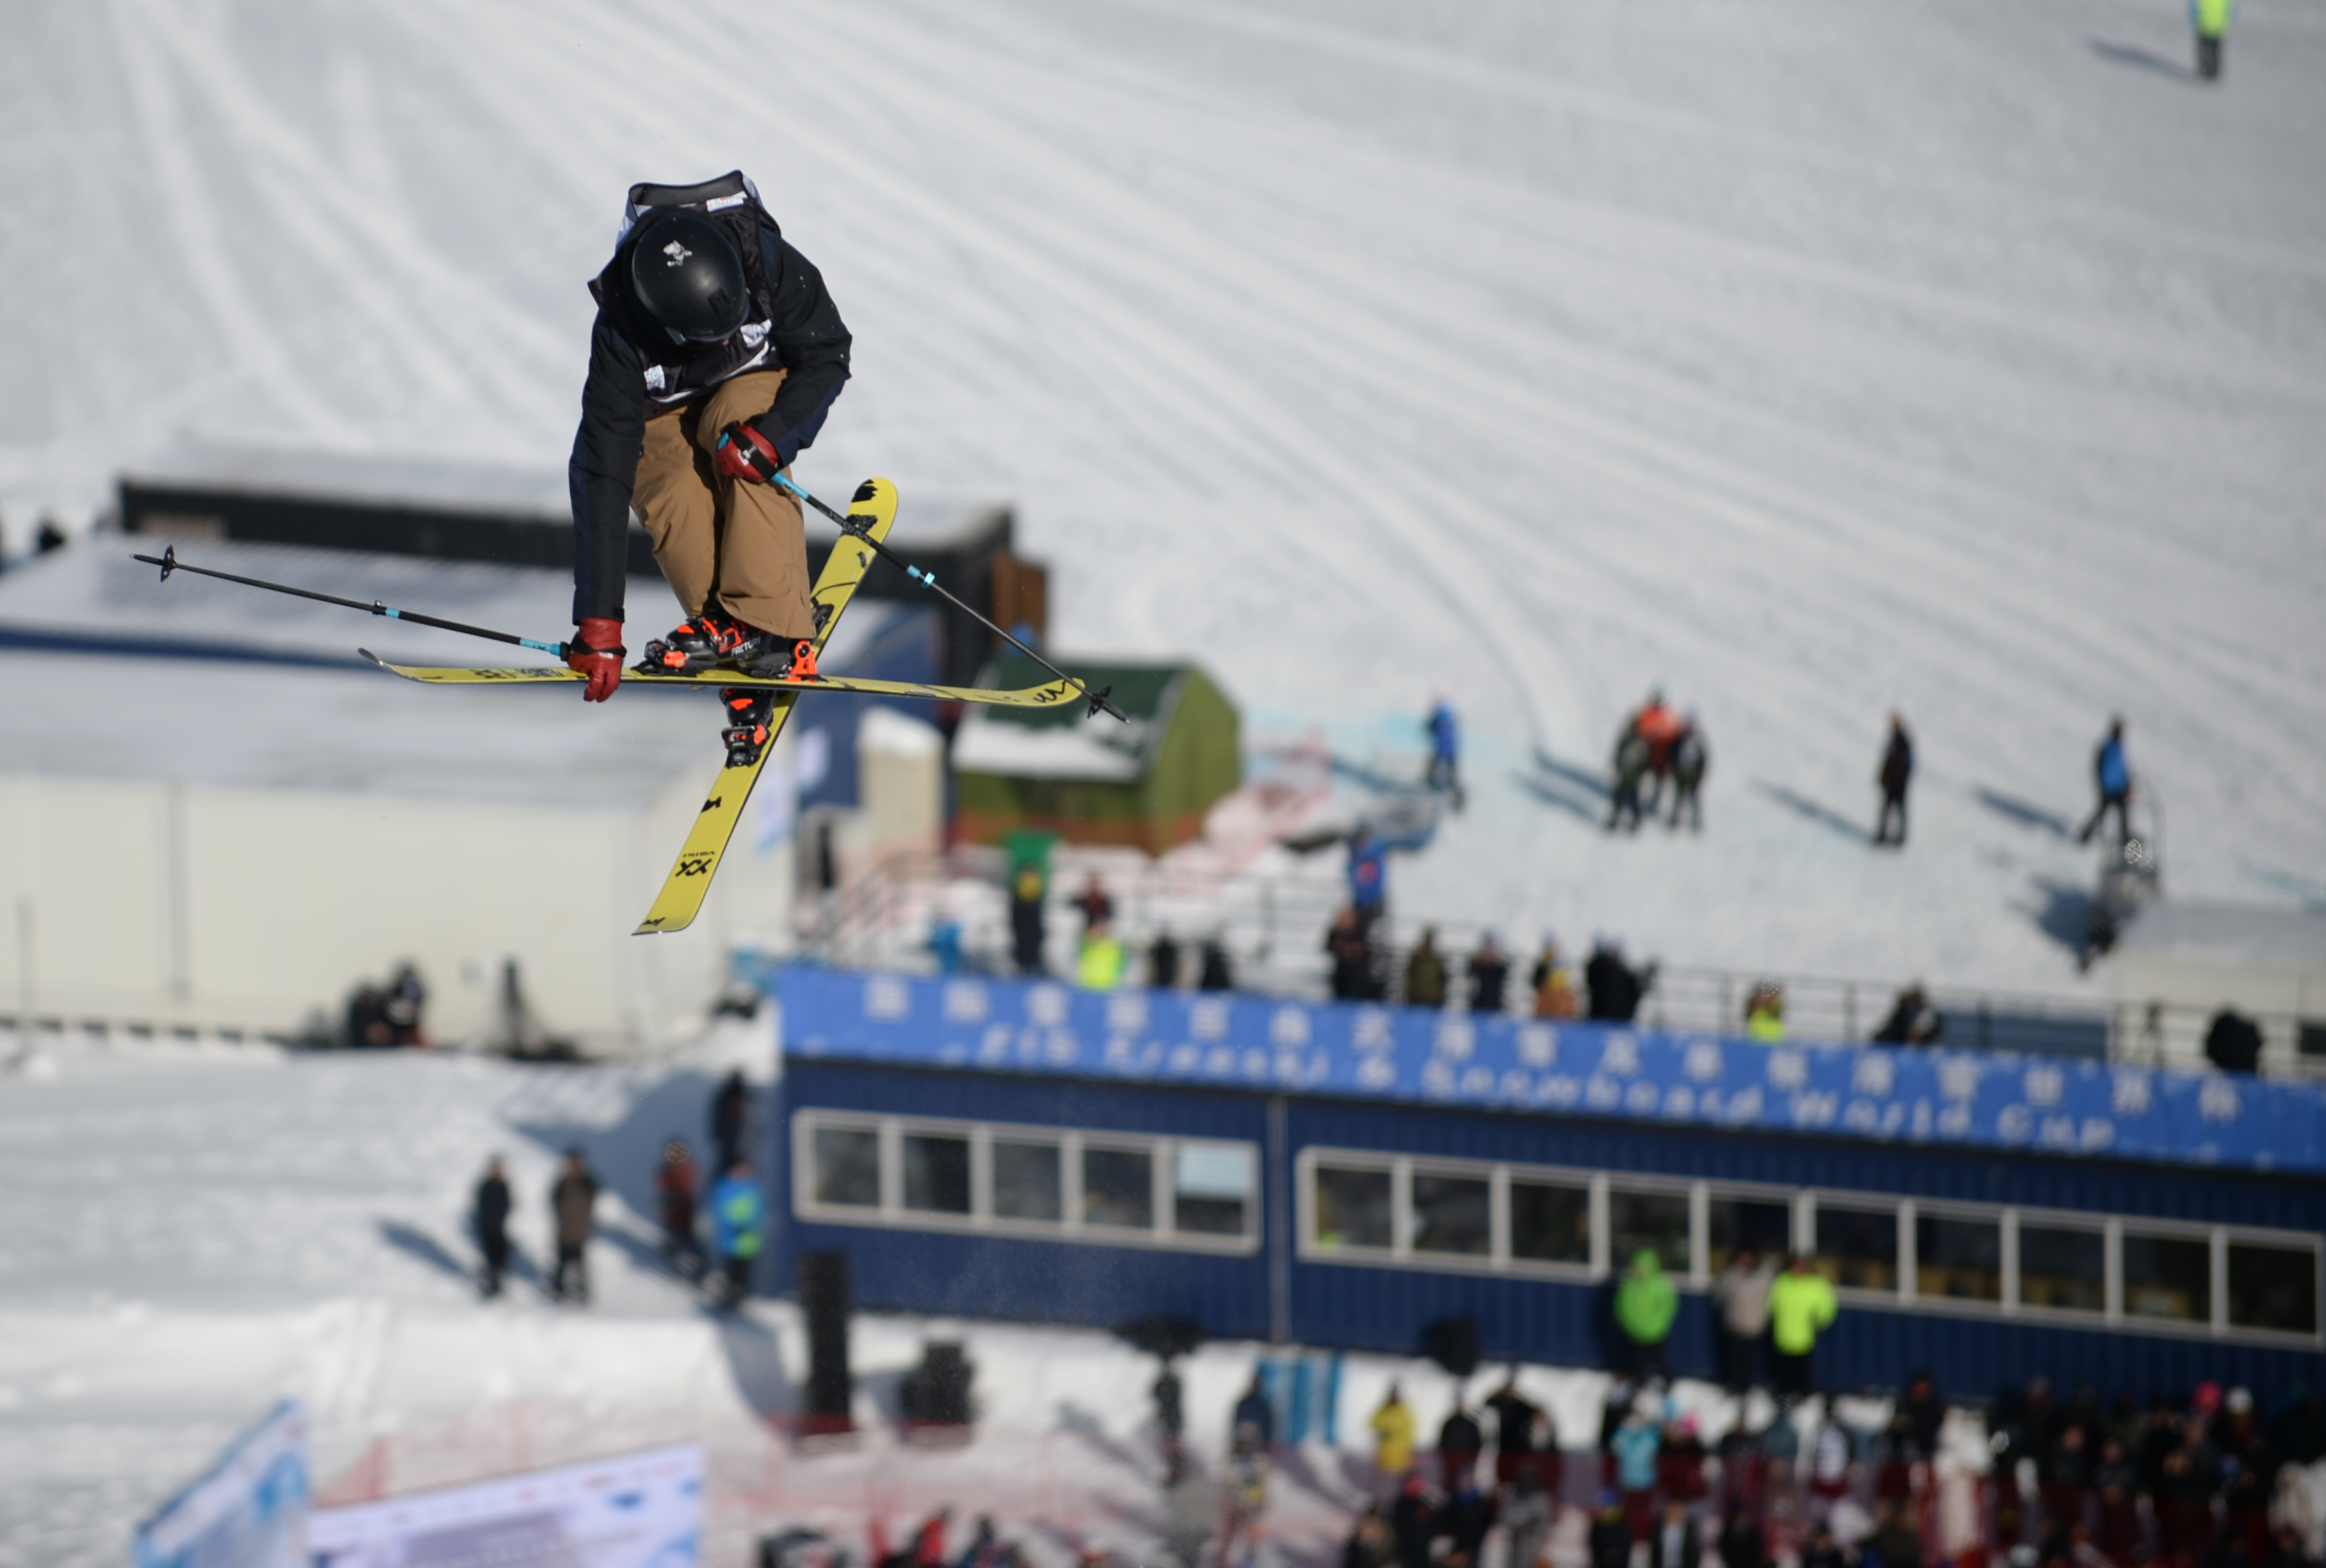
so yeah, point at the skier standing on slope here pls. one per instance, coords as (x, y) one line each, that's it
(2211, 18)
(714, 359)
(492, 1220)
(1445, 751)
(2112, 775)
(1896, 771)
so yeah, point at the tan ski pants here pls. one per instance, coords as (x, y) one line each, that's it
(744, 542)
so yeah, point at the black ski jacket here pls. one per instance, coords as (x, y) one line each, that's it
(636, 370)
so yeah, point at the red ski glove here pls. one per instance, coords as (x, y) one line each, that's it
(745, 454)
(596, 651)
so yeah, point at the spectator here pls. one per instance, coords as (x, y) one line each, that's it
(1645, 1302)
(367, 1017)
(1740, 1299)
(1636, 1445)
(1764, 1014)
(1679, 1466)
(50, 537)
(2120, 1511)
(1553, 984)
(730, 1118)
(1897, 771)
(1913, 1021)
(944, 943)
(1688, 762)
(402, 1005)
(1823, 1551)
(1255, 1418)
(1459, 1440)
(1445, 751)
(1894, 1544)
(1515, 1420)
(1629, 766)
(1924, 1410)
(739, 1218)
(1610, 1540)
(1098, 957)
(1171, 1422)
(2285, 1550)
(1676, 1543)
(1800, 1307)
(491, 1221)
(1468, 1515)
(573, 1205)
(1489, 972)
(1370, 1544)
(675, 1185)
(1213, 974)
(1741, 1543)
(1614, 986)
(1528, 1515)
(1352, 956)
(1163, 961)
(1413, 1523)
(1392, 1425)
(1830, 1460)
(1368, 876)
(2233, 1042)
(2112, 776)
(1425, 972)
(1029, 886)
(1096, 907)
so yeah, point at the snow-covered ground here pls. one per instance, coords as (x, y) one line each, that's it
(1966, 360)
(187, 1235)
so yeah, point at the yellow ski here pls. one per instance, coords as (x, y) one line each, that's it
(1044, 696)
(680, 899)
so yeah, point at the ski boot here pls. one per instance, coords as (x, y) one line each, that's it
(697, 643)
(748, 709)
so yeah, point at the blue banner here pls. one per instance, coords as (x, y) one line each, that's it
(1982, 1099)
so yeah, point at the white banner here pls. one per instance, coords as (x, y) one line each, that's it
(250, 1511)
(637, 1511)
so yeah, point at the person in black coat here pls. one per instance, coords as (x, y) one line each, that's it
(491, 1221)
(1741, 1544)
(1614, 986)
(730, 1113)
(1413, 1523)
(1677, 1542)
(2233, 1043)
(1459, 1443)
(1896, 771)
(1609, 1543)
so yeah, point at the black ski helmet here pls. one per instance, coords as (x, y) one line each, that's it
(688, 276)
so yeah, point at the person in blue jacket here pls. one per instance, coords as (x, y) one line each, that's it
(1445, 751)
(2113, 775)
(739, 1224)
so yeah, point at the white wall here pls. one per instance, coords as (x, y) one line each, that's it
(246, 908)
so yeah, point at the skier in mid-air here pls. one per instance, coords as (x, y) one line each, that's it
(715, 356)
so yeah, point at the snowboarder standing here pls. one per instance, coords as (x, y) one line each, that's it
(573, 1206)
(1687, 763)
(1896, 771)
(2112, 774)
(1630, 765)
(492, 1220)
(714, 359)
(739, 1219)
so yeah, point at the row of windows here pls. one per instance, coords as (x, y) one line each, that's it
(1359, 1207)
(1116, 1188)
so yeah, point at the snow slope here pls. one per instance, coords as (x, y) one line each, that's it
(1966, 358)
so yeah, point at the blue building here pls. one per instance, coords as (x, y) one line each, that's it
(1346, 1176)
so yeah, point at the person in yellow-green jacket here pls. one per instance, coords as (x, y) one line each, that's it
(1800, 1307)
(1645, 1303)
(2211, 18)
(1100, 960)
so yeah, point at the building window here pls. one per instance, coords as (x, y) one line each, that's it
(1027, 1182)
(2273, 1287)
(2168, 1277)
(1653, 1222)
(1353, 1208)
(2064, 1268)
(937, 1173)
(1453, 1214)
(1762, 1226)
(1211, 1188)
(1858, 1248)
(847, 1166)
(1957, 1259)
(1550, 1221)
(1109, 1189)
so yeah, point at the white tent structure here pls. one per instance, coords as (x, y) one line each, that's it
(231, 822)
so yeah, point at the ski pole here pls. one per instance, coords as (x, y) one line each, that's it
(169, 563)
(855, 529)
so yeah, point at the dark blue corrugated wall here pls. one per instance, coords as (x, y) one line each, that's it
(1386, 1309)
(1010, 1278)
